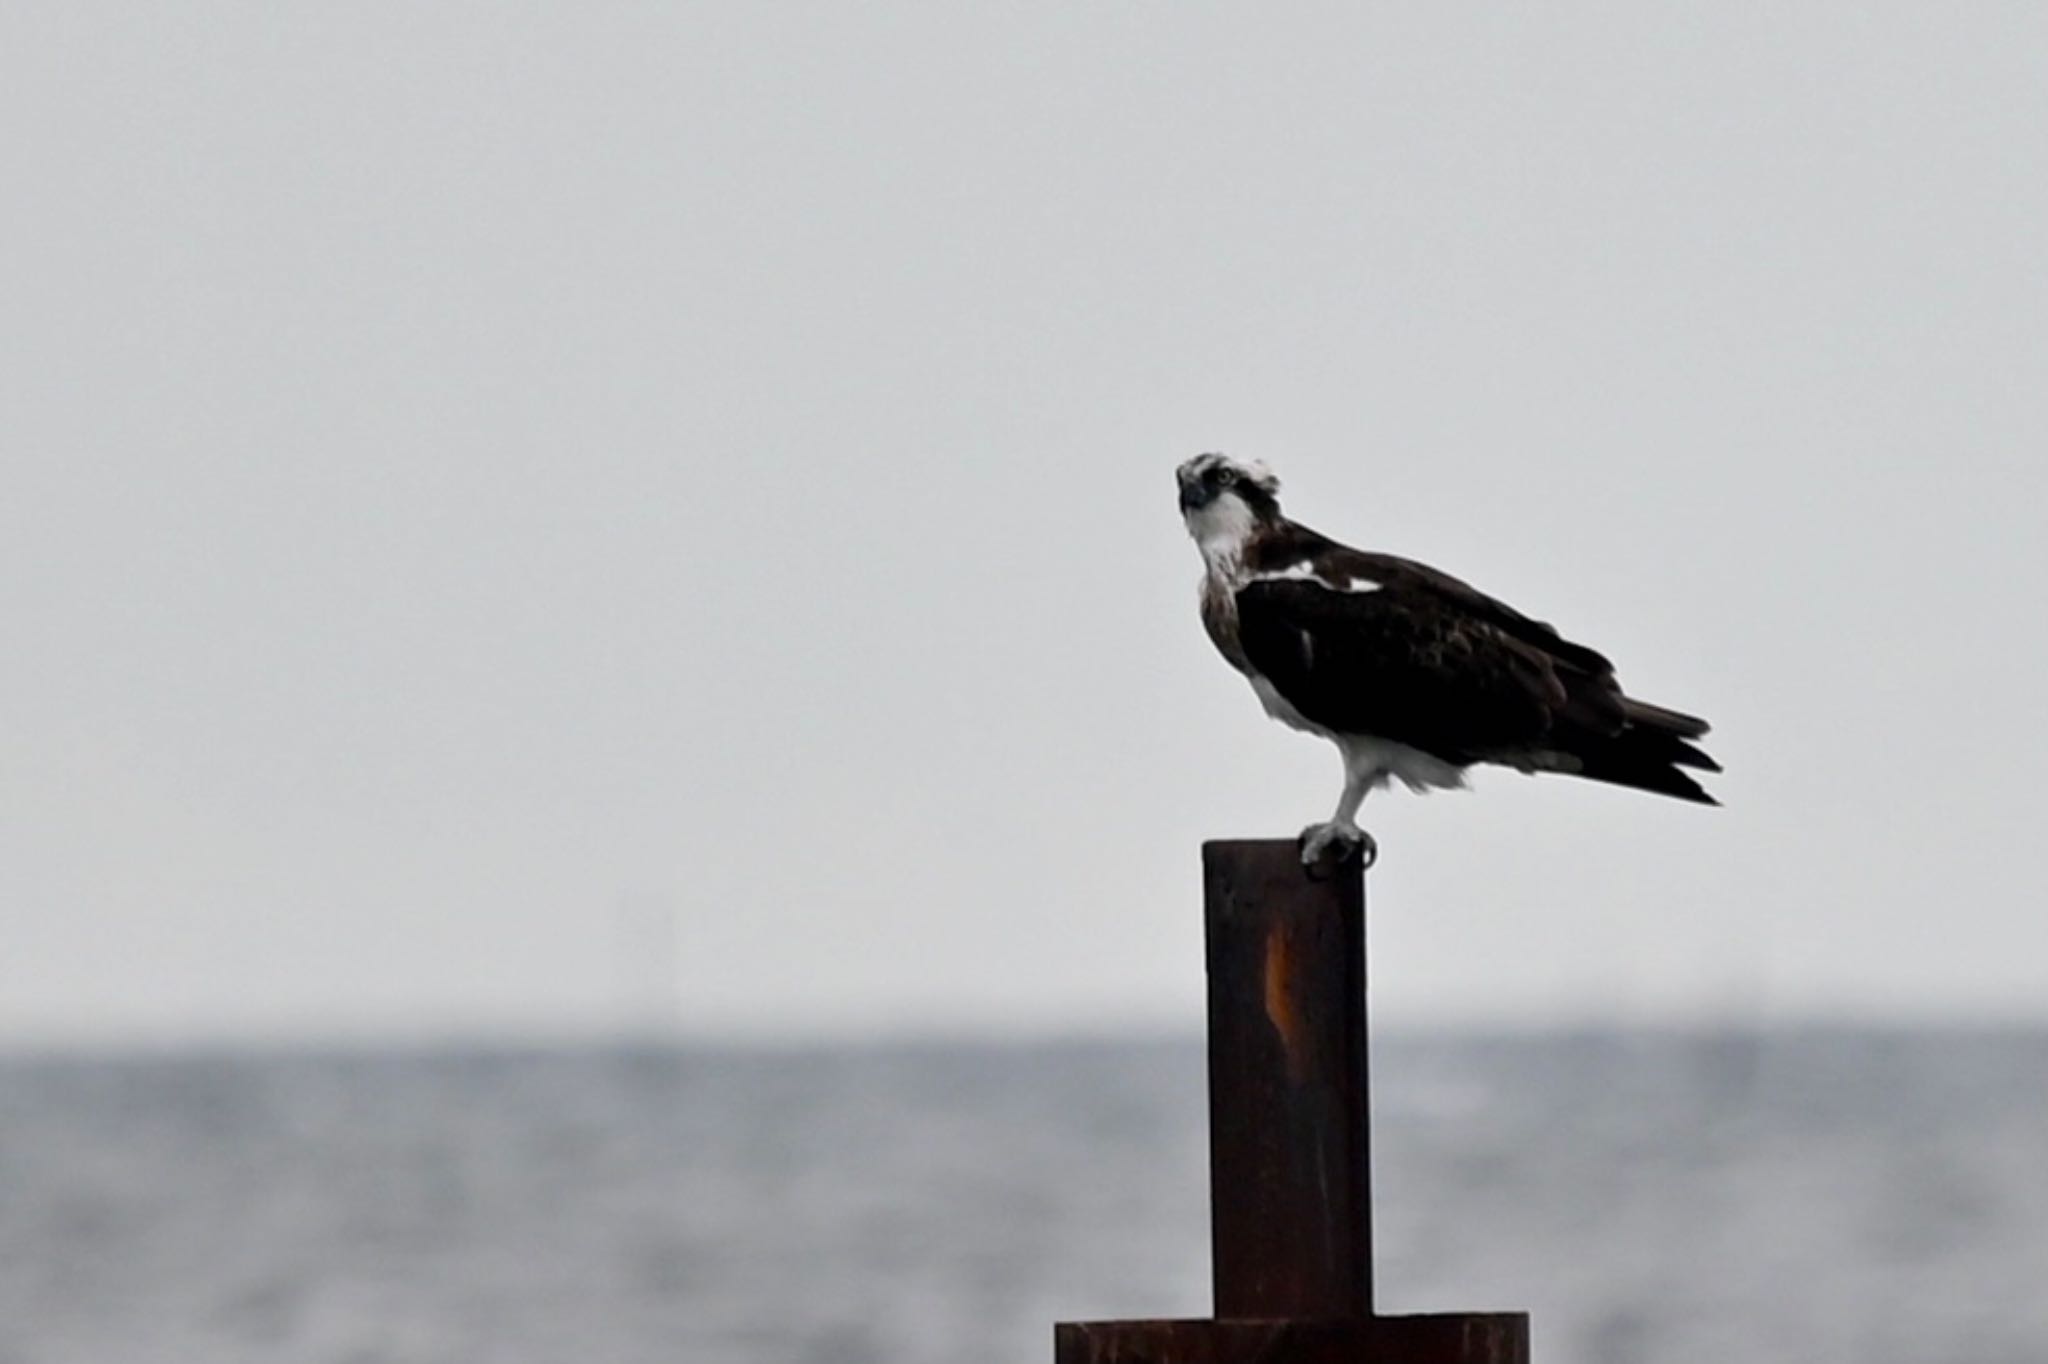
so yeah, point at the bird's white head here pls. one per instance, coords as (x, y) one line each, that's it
(1224, 500)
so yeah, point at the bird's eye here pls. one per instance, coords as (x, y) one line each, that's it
(1225, 477)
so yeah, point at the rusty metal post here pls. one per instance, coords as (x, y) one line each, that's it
(1290, 1184)
(1289, 1143)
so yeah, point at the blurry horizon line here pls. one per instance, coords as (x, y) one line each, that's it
(58, 1044)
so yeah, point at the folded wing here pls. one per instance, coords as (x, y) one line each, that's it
(1384, 647)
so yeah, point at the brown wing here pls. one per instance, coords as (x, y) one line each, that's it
(1394, 663)
(1427, 660)
(1335, 562)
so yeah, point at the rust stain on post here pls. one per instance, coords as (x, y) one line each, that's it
(1281, 1009)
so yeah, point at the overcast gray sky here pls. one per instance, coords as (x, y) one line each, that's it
(487, 487)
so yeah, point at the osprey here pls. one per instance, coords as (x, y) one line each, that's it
(1410, 672)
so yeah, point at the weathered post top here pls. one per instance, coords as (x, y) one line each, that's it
(1289, 1142)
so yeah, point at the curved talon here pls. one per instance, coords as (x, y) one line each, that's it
(1346, 840)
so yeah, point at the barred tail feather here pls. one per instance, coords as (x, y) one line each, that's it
(1649, 754)
(1620, 768)
(1643, 714)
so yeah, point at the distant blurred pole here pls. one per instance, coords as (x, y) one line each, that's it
(1289, 1142)
(647, 986)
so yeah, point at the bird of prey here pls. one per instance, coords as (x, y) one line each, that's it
(1410, 672)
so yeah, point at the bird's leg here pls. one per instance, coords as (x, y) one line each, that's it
(1342, 833)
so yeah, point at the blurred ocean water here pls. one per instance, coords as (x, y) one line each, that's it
(1651, 1199)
